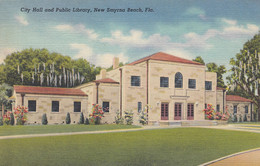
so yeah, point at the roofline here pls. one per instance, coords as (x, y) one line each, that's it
(51, 94)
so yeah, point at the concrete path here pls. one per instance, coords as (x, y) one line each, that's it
(246, 158)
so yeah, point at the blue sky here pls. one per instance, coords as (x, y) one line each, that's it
(215, 29)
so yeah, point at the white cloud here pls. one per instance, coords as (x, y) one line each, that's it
(4, 52)
(79, 28)
(194, 11)
(230, 22)
(84, 51)
(237, 31)
(106, 60)
(21, 20)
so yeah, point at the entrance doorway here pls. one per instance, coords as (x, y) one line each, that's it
(177, 111)
(164, 111)
(190, 112)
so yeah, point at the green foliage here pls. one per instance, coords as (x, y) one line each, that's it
(240, 118)
(81, 118)
(44, 119)
(20, 114)
(36, 63)
(86, 121)
(68, 120)
(143, 116)
(111, 67)
(96, 115)
(199, 60)
(11, 119)
(119, 119)
(1, 121)
(234, 118)
(129, 117)
(5, 93)
(220, 70)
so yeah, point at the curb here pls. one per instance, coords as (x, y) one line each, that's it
(229, 156)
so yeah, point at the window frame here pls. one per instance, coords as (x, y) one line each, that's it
(189, 84)
(103, 109)
(234, 106)
(136, 81)
(75, 106)
(164, 84)
(178, 80)
(206, 85)
(53, 107)
(30, 106)
(246, 109)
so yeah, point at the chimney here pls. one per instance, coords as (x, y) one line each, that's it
(115, 62)
(103, 73)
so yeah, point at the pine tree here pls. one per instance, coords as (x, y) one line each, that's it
(44, 119)
(81, 118)
(68, 121)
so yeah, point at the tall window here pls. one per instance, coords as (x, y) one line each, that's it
(208, 85)
(178, 80)
(105, 106)
(77, 106)
(139, 106)
(55, 106)
(235, 109)
(32, 105)
(192, 83)
(135, 80)
(218, 107)
(246, 109)
(164, 82)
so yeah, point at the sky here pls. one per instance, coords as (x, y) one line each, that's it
(215, 30)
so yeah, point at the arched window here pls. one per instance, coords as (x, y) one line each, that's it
(178, 80)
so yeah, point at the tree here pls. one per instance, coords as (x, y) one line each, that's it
(245, 73)
(44, 119)
(199, 60)
(68, 118)
(5, 93)
(81, 118)
(220, 70)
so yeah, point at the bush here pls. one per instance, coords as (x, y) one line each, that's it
(129, 117)
(86, 121)
(12, 119)
(245, 118)
(234, 119)
(143, 116)
(1, 121)
(44, 119)
(20, 114)
(68, 121)
(81, 118)
(118, 118)
(96, 115)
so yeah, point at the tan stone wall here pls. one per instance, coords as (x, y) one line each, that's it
(211, 95)
(174, 95)
(44, 105)
(240, 108)
(220, 100)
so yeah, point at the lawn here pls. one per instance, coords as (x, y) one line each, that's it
(179, 146)
(42, 129)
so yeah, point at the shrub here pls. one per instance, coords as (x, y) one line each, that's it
(81, 118)
(68, 121)
(96, 115)
(234, 119)
(245, 118)
(7, 118)
(12, 119)
(86, 121)
(129, 117)
(20, 114)
(143, 115)
(44, 119)
(209, 112)
(119, 119)
(1, 121)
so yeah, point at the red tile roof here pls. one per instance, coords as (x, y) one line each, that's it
(160, 56)
(48, 90)
(106, 80)
(237, 98)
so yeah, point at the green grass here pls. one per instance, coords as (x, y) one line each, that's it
(179, 146)
(42, 129)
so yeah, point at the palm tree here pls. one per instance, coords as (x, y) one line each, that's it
(5, 89)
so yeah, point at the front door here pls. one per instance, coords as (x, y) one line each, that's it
(190, 112)
(164, 111)
(177, 111)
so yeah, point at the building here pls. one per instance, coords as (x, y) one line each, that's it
(175, 89)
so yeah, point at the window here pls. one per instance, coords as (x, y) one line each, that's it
(139, 106)
(192, 83)
(135, 80)
(178, 80)
(235, 109)
(246, 109)
(105, 106)
(218, 107)
(32, 105)
(164, 82)
(190, 111)
(77, 106)
(55, 106)
(208, 85)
